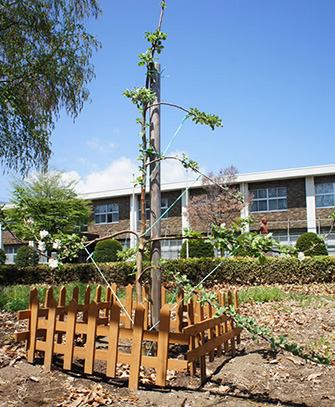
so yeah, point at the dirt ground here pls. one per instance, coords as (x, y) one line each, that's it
(257, 376)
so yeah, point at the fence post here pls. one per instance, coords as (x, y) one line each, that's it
(108, 301)
(179, 310)
(145, 299)
(75, 293)
(70, 334)
(129, 305)
(91, 335)
(238, 338)
(48, 296)
(61, 303)
(33, 329)
(163, 345)
(113, 340)
(190, 313)
(211, 333)
(218, 328)
(50, 337)
(136, 354)
(98, 294)
(225, 327)
(231, 325)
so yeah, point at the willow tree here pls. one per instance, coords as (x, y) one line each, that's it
(45, 54)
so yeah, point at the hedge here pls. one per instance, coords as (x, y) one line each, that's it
(319, 269)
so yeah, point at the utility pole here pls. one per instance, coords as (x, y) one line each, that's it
(155, 196)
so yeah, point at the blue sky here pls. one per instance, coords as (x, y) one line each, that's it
(267, 67)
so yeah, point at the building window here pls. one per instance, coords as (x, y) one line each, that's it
(324, 195)
(106, 213)
(269, 199)
(164, 207)
(11, 253)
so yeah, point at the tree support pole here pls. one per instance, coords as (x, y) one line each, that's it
(155, 195)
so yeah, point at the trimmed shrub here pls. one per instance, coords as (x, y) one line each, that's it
(246, 271)
(105, 251)
(26, 256)
(2, 256)
(308, 240)
(197, 249)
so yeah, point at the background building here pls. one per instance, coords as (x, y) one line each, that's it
(294, 201)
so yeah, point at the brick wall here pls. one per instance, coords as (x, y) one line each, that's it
(110, 228)
(296, 205)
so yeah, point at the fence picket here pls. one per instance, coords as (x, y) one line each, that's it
(50, 336)
(190, 312)
(231, 326)
(91, 335)
(61, 303)
(33, 329)
(163, 345)
(136, 354)
(50, 326)
(70, 334)
(75, 293)
(129, 305)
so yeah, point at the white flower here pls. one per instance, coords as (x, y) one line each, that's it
(41, 246)
(301, 256)
(43, 233)
(56, 244)
(30, 221)
(53, 263)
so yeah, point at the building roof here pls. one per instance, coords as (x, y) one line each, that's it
(290, 173)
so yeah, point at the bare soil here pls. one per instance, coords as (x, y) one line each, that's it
(257, 376)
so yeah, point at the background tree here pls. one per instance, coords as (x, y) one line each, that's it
(46, 204)
(26, 256)
(45, 66)
(219, 203)
(311, 245)
(107, 250)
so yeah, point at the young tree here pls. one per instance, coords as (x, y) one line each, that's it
(219, 203)
(46, 209)
(48, 203)
(45, 66)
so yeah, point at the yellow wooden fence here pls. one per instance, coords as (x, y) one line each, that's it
(54, 328)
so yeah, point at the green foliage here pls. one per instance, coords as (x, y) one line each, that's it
(156, 39)
(26, 256)
(246, 271)
(203, 118)
(106, 250)
(307, 241)
(2, 256)
(261, 294)
(45, 203)
(140, 96)
(16, 297)
(197, 248)
(45, 67)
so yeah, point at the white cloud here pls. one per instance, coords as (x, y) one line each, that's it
(102, 146)
(121, 172)
(173, 171)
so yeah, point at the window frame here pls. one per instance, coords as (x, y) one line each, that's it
(325, 194)
(112, 210)
(268, 199)
(164, 207)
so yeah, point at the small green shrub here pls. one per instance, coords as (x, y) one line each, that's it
(26, 256)
(106, 250)
(308, 240)
(2, 256)
(197, 249)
